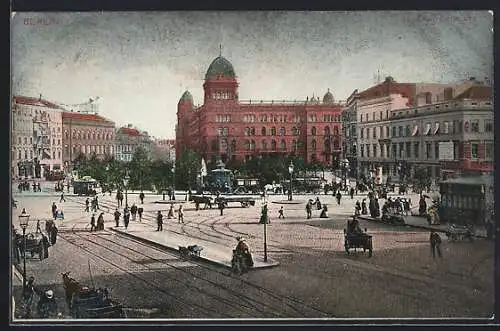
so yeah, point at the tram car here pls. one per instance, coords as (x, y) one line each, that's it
(85, 186)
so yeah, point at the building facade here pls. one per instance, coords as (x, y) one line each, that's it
(128, 140)
(229, 129)
(36, 137)
(375, 108)
(350, 133)
(86, 134)
(163, 149)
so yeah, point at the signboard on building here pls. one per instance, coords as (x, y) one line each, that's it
(446, 151)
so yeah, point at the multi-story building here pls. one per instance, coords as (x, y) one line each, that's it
(86, 134)
(374, 108)
(229, 129)
(36, 137)
(163, 149)
(350, 133)
(466, 121)
(128, 140)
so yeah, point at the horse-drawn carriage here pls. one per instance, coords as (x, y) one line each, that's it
(87, 302)
(355, 238)
(36, 243)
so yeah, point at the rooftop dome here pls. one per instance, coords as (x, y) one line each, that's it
(220, 66)
(186, 97)
(328, 98)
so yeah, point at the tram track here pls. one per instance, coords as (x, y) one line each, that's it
(288, 301)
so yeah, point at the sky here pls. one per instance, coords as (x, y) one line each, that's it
(140, 63)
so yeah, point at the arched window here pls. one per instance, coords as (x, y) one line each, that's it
(283, 145)
(273, 131)
(74, 134)
(263, 131)
(252, 145)
(273, 145)
(263, 145)
(327, 145)
(247, 145)
(327, 130)
(99, 136)
(88, 135)
(313, 145)
(282, 131)
(252, 131)
(313, 131)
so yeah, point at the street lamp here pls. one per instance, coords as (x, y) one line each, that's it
(23, 222)
(125, 183)
(264, 207)
(345, 170)
(290, 171)
(173, 182)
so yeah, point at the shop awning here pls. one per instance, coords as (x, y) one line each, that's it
(415, 131)
(436, 129)
(427, 129)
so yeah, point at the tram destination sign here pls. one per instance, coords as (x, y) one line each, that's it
(446, 151)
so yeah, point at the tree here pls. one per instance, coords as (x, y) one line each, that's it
(421, 179)
(187, 167)
(140, 170)
(161, 174)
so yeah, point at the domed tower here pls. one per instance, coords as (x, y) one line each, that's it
(328, 98)
(220, 82)
(184, 107)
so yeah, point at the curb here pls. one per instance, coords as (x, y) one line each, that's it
(165, 247)
(413, 226)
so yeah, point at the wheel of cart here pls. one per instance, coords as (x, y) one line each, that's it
(355, 238)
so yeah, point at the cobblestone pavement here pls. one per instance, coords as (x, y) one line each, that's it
(313, 264)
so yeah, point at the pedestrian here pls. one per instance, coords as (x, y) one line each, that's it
(126, 216)
(364, 210)
(338, 196)
(280, 212)
(87, 202)
(133, 211)
(180, 214)
(117, 217)
(351, 193)
(141, 196)
(263, 215)
(28, 295)
(159, 221)
(309, 209)
(62, 198)
(96, 204)
(435, 241)
(171, 211)
(39, 187)
(221, 207)
(100, 222)
(54, 210)
(140, 210)
(357, 208)
(92, 223)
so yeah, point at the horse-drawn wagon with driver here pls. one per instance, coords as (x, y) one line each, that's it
(355, 238)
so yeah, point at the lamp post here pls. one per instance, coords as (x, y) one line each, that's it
(173, 182)
(23, 222)
(264, 207)
(125, 183)
(345, 170)
(290, 171)
(107, 179)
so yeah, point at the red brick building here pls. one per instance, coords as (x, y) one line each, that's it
(227, 128)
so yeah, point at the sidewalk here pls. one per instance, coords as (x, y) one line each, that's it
(214, 253)
(421, 223)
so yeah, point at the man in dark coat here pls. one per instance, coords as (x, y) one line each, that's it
(92, 223)
(117, 215)
(140, 210)
(435, 241)
(141, 197)
(159, 221)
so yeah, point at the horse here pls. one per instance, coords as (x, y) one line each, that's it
(71, 287)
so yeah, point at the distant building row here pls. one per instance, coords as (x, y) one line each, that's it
(44, 133)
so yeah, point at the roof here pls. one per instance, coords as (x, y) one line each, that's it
(472, 180)
(129, 131)
(186, 97)
(34, 102)
(387, 87)
(220, 66)
(476, 92)
(85, 117)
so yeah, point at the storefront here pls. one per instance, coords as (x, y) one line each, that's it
(464, 199)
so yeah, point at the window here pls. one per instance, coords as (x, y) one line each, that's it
(361, 133)
(380, 115)
(367, 150)
(400, 131)
(263, 131)
(273, 145)
(367, 133)
(387, 132)
(474, 126)
(362, 151)
(273, 131)
(247, 145)
(428, 98)
(283, 146)
(394, 150)
(408, 150)
(416, 147)
(53, 154)
(374, 132)
(436, 150)
(252, 145)
(488, 126)
(335, 130)
(407, 131)
(401, 149)
(393, 131)
(373, 116)
(313, 131)
(428, 151)
(474, 149)
(282, 131)
(488, 150)
(466, 126)
(25, 140)
(327, 130)
(446, 127)
(375, 150)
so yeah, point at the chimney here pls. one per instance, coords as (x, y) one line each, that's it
(40, 98)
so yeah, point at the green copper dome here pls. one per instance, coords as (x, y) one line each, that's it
(220, 66)
(186, 97)
(328, 98)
